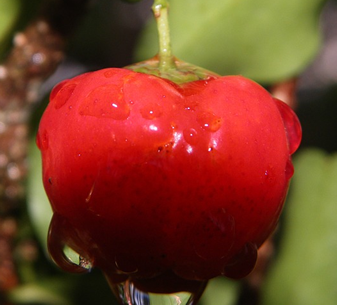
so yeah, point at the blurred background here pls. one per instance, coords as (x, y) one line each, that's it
(289, 46)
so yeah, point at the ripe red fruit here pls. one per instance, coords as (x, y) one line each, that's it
(153, 180)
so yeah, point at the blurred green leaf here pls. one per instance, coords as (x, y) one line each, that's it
(262, 39)
(9, 12)
(305, 271)
(220, 291)
(36, 294)
(39, 209)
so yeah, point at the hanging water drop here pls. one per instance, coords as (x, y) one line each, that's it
(128, 294)
(242, 263)
(63, 255)
(292, 125)
(85, 263)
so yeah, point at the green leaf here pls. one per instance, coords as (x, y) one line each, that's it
(305, 270)
(220, 290)
(9, 12)
(262, 39)
(38, 207)
(36, 294)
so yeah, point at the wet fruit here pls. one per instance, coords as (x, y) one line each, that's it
(152, 180)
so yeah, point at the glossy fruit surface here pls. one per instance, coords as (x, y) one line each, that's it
(153, 180)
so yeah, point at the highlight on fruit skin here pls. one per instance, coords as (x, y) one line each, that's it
(160, 184)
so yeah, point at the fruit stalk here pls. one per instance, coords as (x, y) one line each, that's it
(160, 11)
(165, 64)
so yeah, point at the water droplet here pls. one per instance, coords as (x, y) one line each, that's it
(209, 121)
(129, 293)
(42, 140)
(106, 101)
(110, 73)
(62, 93)
(191, 104)
(85, 263)
(151, 111)
(63, 255)
(289, 171)
(194, 88)
(190, 136)
(124, 265)
(126, 293)
(242, 263)
(291, 124)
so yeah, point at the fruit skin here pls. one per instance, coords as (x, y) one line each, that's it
(148, 178)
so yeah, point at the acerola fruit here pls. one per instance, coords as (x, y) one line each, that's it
(157, 182)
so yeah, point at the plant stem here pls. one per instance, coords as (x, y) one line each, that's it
(166, 59)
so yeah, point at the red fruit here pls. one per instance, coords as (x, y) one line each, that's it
(150, 179)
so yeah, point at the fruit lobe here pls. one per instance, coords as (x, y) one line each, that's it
(150, 179)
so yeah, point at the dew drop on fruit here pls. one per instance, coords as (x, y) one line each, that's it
(109, 73)
(289, 171)
(209, 121)
(62, 93)
(106, 101)
(190, 136)
(42, 140)
(151, 112)
(291, 124)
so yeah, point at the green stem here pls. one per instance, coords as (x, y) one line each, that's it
(166, 59)
(164, 64)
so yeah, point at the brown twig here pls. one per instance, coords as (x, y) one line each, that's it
(286, 91)
(36, 53)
